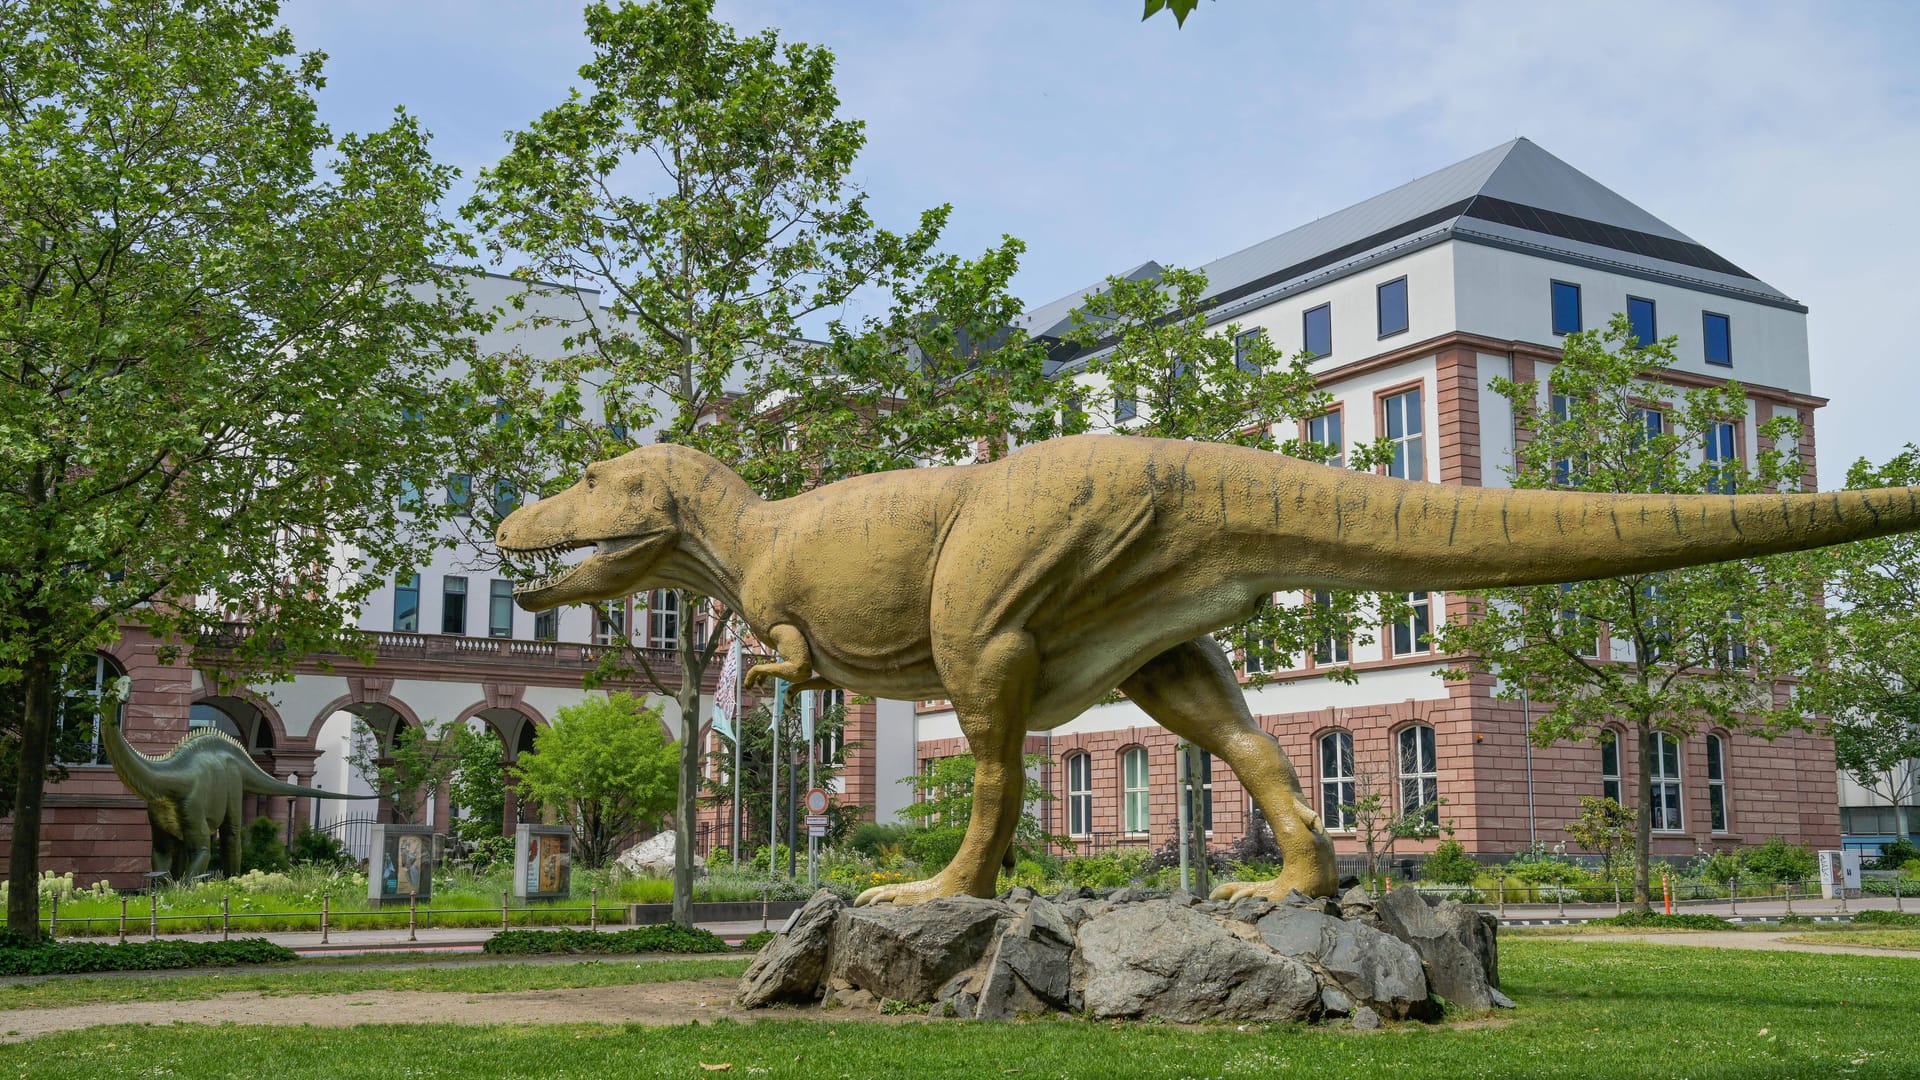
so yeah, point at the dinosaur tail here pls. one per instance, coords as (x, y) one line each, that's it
(258, 782)
(1395, 535)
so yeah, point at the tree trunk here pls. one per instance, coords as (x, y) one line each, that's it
(1196, 795)
(1643, 825)
(36, 726)
(688, 697)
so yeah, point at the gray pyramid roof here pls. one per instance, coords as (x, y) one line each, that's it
(1515, 196)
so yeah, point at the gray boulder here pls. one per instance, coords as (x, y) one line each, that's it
(1371, 967)
(1158, 960)
(1455, 943)
(909, 954)
(1032, 968)
(793, 966)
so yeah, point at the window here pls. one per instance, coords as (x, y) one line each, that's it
(506, 498)
(830, 744)
(1080, 795)
(1666, 782)
(1243, 346)
(453, 605)
(500, 608)
(1564, 472)
(1419, 775)
(460, 492)
(1391, 302)
(1331, 649)
(1717, 782)
(1582, 629)
(1413, 634)
(546, 625)
(1721, 458)
(78, 711)
(663, 619)
(610, 622)
(1325, 430)
(1640, 321)
(1336, 781)
(1610, 766)
(1566, 307)
(1403, 425)
(1258, 652)
(1730, 653)
(1124, 405)
(1317, 330)
(406, 603)
(1204, 761)
(1133, 799)
(1719, 338)
(410, 495)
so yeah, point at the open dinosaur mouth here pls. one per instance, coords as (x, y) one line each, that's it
(601, 549)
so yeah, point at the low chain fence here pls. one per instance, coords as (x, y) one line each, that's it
(1667, 892)
(132, 921)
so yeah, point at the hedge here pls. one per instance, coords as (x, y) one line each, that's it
(1656, 920)
(1879, 917)
(72, 958)
(640, 939)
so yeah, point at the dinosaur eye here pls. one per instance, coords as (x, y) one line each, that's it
(591, 482)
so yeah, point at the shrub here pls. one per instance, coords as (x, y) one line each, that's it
(1896, 855)
(1656, 920)
(880, 841)
(640, 939)
(1543, 869)
(311, 847)
(1777, 860)
(70, 958)
(1878, 917)
(934, 848)
(489, 852)
(262, 849)
(1718, 868)
(1111, 870)
(756, 941)
(1450, 865)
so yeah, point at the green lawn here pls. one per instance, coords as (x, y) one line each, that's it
(1878, 938)
(1588, 1009)
(57, 991)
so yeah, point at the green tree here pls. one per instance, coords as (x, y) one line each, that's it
(1179, 8)
(1605, 828)
(1871, 685)
(606, 768)
(760, 771)
(478, 786)
(222, 332)
(1688, 648)
(701, 183)
(1380, 827)
(410, 767)
(943, 803)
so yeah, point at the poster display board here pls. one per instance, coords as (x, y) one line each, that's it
(542, 862)
(402, 864)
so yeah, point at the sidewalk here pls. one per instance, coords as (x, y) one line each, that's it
(1743, 911)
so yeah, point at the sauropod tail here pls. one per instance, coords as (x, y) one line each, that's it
(1394, 534)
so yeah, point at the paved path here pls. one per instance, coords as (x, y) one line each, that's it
(1772, 941)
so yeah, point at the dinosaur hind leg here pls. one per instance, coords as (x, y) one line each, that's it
(1191, 691)
(993, 697)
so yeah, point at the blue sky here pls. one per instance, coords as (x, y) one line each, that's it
(1784, 136)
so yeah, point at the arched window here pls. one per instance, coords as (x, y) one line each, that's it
(1133, 793)
(1665, 774)
(1419, 773)
(1610, 766)
(86, 695)
(1717, 782)
(1080, 795)
(1337, 795)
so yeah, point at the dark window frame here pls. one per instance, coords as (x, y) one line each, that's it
(1553, 307)
(1706, 337)
(403, 585)
(1653, 319)
(1306, 331)
(448, 608)
(1380, 310)
(499, 599)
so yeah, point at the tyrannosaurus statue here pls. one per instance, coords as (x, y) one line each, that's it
(1025, 589)
(193, 794)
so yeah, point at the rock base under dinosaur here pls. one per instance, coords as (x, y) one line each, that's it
(1136, 954)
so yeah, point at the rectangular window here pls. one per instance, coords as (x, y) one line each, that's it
(1391, 301)
(1260, 658)
(1205, 762)
(500, 608)
(460, 492)
(546, 625)
(1412, 634)
(1080, 795)
(453, 605)
(1640, 321)
(411, 497)
(406, 603)
(1666, 783)
(610, 622)
(1331, 649)
(663, 619)
(1565, 474)
(1722, 460)
(1717, 782)
(1405, 426)
(1336, 781)
(1419, 773)
(1582, 630)
(1566, 307)
(1719, 337)
(1243, 347)
(1610, 766)
(1317, 330)
(1134, 794)
(1125, 407)
(506, 498)
(1325, 430)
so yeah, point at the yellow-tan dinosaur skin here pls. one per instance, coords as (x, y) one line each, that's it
(1024, 590)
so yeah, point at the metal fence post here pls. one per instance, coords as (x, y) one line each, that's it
(123, 918)
(1896, 893)
(1789, 897)
(53, 918)
(226, 916)
(1733, 896)
(503, 909)
(1560, 894)
(413, 917)
(326, 909)
(153, 915)
(1617, 908)
(593, 909)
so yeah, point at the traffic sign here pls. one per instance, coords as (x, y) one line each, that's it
(816, 821)
(816, 831)
(817, 801)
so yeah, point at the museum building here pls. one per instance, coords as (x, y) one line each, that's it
(1411, 302)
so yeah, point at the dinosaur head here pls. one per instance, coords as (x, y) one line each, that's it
(623, 509)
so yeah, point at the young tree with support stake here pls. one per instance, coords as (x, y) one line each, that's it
(1668, 653)
(220, 367)
(701, 183)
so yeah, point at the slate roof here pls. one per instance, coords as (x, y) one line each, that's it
(1516, 196)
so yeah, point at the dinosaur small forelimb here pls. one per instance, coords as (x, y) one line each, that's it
(795, 664)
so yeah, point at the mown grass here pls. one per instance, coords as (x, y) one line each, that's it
(1877, 939)
(58, 992)
(1588, 1009)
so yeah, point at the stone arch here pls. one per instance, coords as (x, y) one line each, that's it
(514, 722)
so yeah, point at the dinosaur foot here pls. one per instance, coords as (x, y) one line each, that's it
(912, 892)
(1303, 875)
